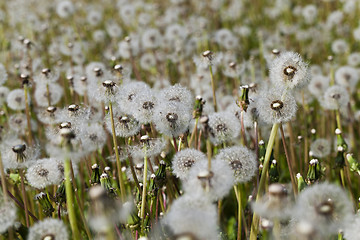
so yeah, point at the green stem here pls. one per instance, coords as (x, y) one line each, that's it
(238, 198)
(143, 197)
(27, 112)
(69, 200)
(23, 191)
(118, 163)
(255, 221)
(213, 87)
(193, 134)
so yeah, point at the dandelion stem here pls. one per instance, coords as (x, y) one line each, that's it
(193, 134)
(255, 221)
(238, 198)
(23, 191)
(213, 87)
(3, 179)
(69, 199)
(27, 112)
(294, 186)
(144, 190)
(118, 163)
(208, 150)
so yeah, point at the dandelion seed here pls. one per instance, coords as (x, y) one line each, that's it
(347, 77)
(8, 214)
(178, 94)
(192, 217)
(127, 94)
(4, 91)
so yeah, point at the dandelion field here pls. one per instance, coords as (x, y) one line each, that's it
(179, 119)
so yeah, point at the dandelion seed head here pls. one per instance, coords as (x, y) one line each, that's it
(325, 205)
(16, 99)
(288, 70)
(320, 148)
(3, 74)
(172, 119)
(241, 160)
(214, 184)
(273, 107)
(335, 97)
(347, 77)
(184, 160)
(49, 228)
(223, 126)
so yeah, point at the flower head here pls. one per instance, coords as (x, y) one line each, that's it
(288, 70)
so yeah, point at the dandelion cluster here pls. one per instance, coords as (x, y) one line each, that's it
(179, 119)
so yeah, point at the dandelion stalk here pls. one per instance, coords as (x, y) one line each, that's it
(255, 221)
(143, 196)
(3, 179)
(238, 198)
(70, 199)
(213, 87)
(23, 191)
(27, 112)
(118, 163)
(294, 186)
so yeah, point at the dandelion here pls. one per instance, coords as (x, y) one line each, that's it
(16, 99)
(275, 205)
(151, 38)
(289, 71)
(184, 160)
(93, 137)
(275, 107)
(318, 85)
(214, 184)
(48, 229)
(43, 173)
(347, 77)
(144, 106)
(172, 119)
(335, 97)
(127, 94)
(65, 9)
(51, 93)
(223, 127)
(125, 125)
(192, 218)
(339, 46)
(177, 94)
(241, 160)
(326, 206)
(320, 148)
